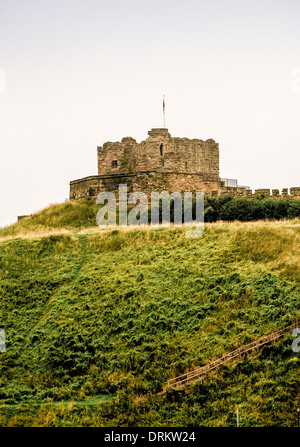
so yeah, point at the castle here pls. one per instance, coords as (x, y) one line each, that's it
(162, 163)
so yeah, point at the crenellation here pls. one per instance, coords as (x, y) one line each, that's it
(164, 163)
(262, 191)
(295, 191)
(159, 152)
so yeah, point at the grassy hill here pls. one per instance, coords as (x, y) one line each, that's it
(67, 216)
(97, 321)
(81, 214)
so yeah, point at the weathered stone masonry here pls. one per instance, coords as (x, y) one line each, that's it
(160, 163)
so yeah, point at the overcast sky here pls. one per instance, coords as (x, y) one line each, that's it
(77, 73)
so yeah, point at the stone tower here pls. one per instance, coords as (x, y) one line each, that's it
(159, 163)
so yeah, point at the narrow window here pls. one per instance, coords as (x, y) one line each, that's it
(161, 150)
(114, 164)
(186, 165)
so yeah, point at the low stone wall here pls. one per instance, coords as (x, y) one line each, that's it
(150, 181)
(291, 193)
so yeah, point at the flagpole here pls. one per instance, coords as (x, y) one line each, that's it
(164, 111)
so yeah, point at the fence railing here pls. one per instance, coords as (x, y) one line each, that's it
(204, 370)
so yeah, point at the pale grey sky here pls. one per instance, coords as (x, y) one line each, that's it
(77, 73)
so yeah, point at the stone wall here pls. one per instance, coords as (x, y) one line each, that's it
(291, 193)
(149, 181)
(162, 163)
(152, 181)
(160, 153)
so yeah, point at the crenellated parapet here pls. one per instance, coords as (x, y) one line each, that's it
(159, 152)
(292, 193)
(164, 163)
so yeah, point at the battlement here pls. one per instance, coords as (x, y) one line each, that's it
(164, 163)
(159, 152)
(159, 133)
(291, 193)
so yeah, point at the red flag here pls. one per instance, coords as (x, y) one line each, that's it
(164, 104)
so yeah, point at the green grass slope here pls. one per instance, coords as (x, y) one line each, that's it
(64, 216)
(96, 322)
(81, 214)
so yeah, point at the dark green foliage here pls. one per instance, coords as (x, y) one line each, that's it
(229, 209)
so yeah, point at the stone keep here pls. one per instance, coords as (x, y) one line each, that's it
(159, 163)
(163, 163)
